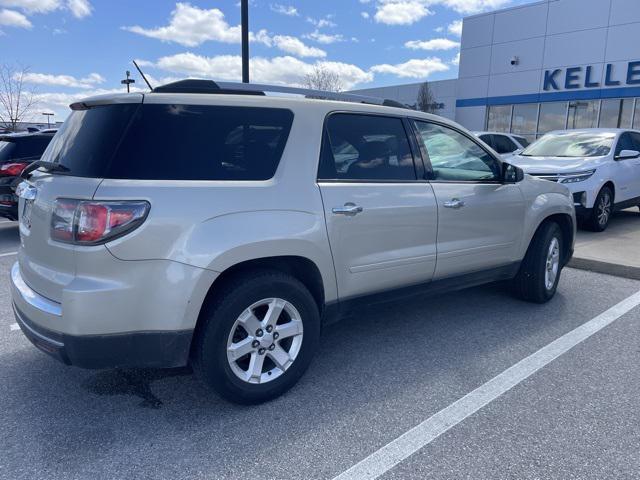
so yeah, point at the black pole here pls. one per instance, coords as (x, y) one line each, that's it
(244, 13)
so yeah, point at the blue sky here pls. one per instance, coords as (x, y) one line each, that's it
(75, 48)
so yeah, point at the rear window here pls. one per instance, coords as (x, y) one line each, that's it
(172, 142)
(23, 148)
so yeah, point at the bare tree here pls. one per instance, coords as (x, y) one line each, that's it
(426, 101)
(322, 78)
(17, 102)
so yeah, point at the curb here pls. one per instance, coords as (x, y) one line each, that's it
(617, 270)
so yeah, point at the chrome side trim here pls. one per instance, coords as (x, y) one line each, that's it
(31, 297)
(24, 324)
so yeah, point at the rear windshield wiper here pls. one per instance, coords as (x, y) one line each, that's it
(49, 166)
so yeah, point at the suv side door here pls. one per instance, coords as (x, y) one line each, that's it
(380, 212)
(627, 170)
(480, 218)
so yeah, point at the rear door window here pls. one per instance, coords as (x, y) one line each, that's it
(488, 139)
(359, 147)
(503, 144)
(174, 142)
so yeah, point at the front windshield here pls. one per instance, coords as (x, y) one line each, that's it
(571, 144)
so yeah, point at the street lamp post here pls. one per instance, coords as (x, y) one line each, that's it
(128, 81)
(49, 115)
(244, 14)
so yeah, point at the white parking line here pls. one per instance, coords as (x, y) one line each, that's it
(421, 435)
(14, 326)
(7, 254)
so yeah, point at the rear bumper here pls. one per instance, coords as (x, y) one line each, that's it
(140, 349)
(52, 329)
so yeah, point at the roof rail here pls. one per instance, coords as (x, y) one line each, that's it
(233, 88)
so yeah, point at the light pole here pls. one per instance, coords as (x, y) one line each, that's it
(49, 115)
(244, 14)
(128, 81)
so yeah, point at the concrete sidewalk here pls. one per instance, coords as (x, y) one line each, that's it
(616, 251)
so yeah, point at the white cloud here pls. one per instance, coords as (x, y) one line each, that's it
(433, 44)
(288, 10)
(322, 22)
(414, 68)
(90, 81)
(407, 12)
(455, 28)
(11, 18)
(191, 26)
(296, 47)
(79, 8)
(471, 6)
(324, 38)
(364, 14)
(285, 70)
(33, 6)
(400, 12)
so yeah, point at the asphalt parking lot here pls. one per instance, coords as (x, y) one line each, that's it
(377, 376)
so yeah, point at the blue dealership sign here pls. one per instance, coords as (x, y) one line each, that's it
(578, 77)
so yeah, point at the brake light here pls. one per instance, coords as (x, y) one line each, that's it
(12, 169)
(85, 222)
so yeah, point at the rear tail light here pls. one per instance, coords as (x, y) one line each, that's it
(12, 169)
(87, 222)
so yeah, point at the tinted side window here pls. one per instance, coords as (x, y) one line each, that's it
(635, 137)
(503, 144)
(173, 142)
(455, 157)
(488, 139)
(366, 147)
(523, 141)
(625, 143)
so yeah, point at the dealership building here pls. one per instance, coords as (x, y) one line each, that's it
(543, 66)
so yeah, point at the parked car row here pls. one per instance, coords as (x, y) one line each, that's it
(264, 218)
(17, 151)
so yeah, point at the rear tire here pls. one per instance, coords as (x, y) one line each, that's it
(539, 274)
(598, 219)
(246, 316)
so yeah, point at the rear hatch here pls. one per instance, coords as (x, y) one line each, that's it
(84, 147)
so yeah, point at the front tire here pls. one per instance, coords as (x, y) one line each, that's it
(598, 219)
(539, 274)
(258, 337)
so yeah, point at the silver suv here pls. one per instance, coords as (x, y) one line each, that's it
(213, 225)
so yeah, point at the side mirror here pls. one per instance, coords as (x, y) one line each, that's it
(626, 154)
(511, 173)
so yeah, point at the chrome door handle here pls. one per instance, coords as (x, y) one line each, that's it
(349, 209)
(454, 203)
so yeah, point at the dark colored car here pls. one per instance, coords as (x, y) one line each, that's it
(16, 152)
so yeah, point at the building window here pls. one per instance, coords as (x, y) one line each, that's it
(616, 113)
(583, 114)
(636, 115)
(499, 118)
(553, 116)
(525, 120)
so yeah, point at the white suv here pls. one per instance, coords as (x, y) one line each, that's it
(601, 167)
(224, 227)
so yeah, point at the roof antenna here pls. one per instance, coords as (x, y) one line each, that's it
(143, 77)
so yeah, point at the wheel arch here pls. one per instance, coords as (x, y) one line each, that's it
(301, 268)
(567, 226)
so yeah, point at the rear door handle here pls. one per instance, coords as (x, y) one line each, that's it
(349, 209)
(454, 203)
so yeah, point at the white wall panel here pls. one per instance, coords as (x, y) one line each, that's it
(572, 15)
(520, 23)
(623, 42)
(475, 62)
(624, 11)
(575, 48)
(477, 31)
(519, 83)
(472, 118)
(530, 54)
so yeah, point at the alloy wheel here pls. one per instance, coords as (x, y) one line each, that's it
(265, 340)
(552, 266)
